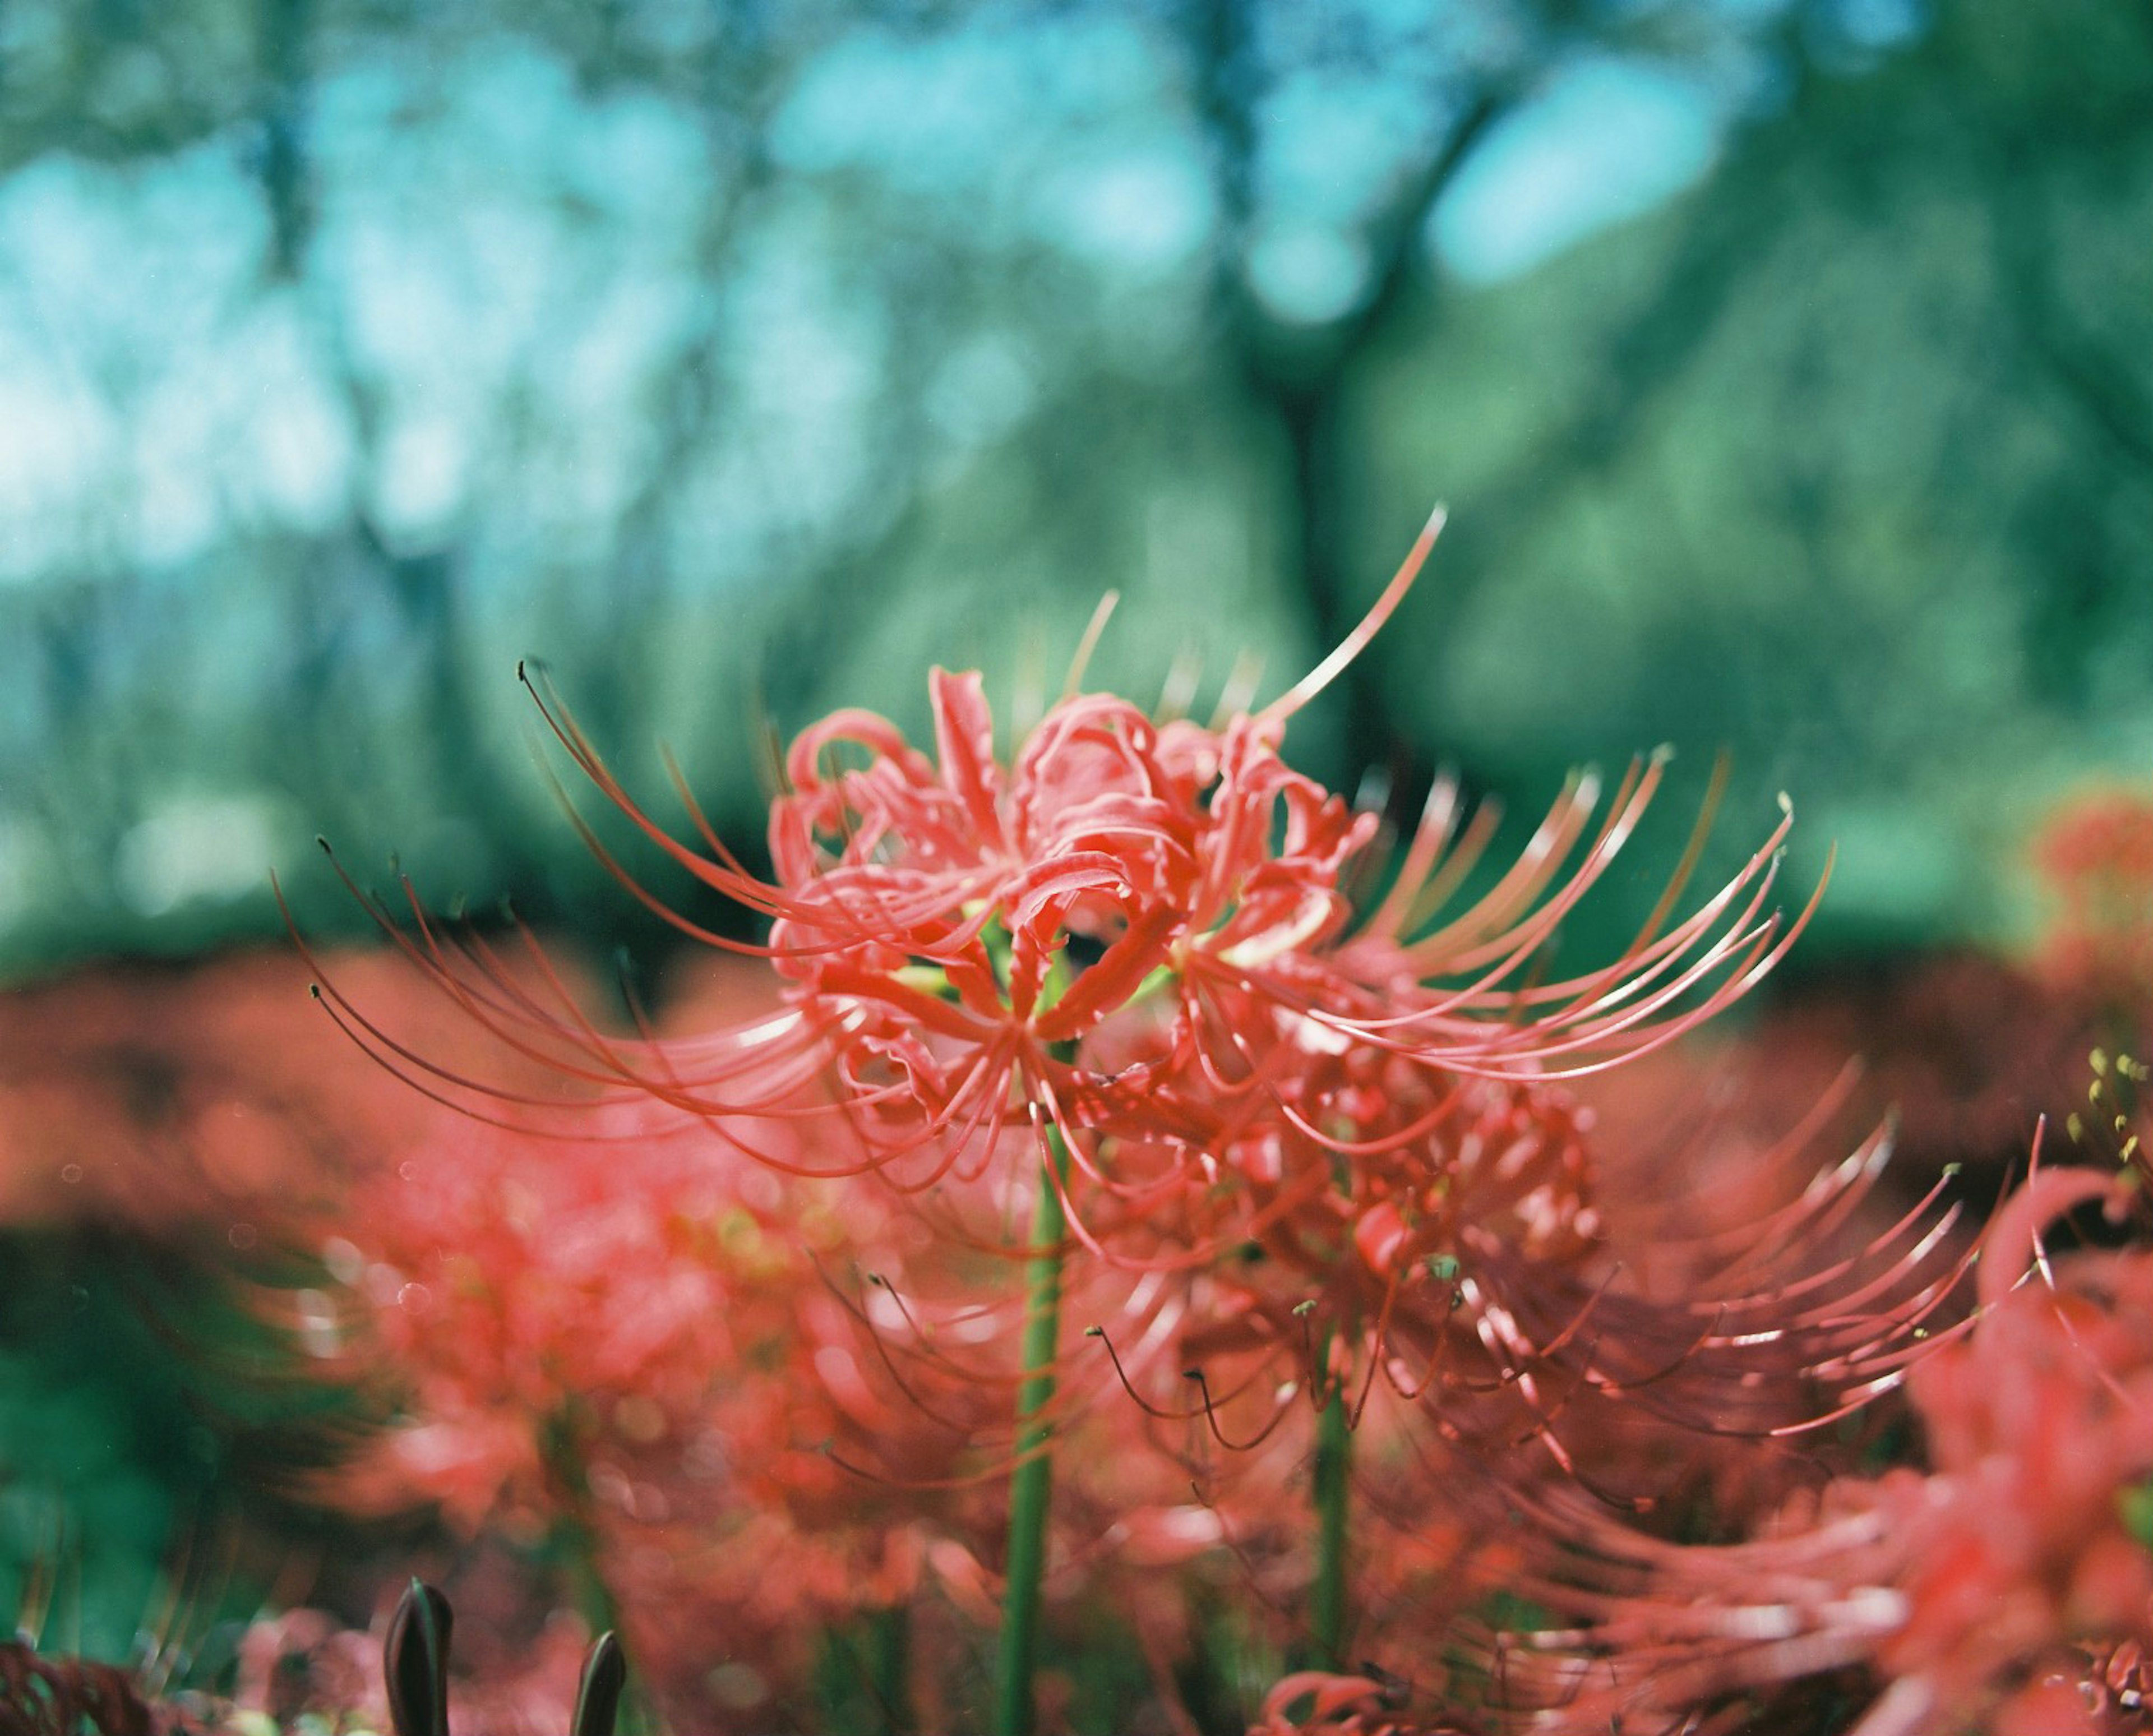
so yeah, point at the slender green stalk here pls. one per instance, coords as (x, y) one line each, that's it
(576, 1549)
(1031, 1483)
(572, 1546)
(572, 1543)
(1326, 1597)
(889, 1666)
(863, 1679)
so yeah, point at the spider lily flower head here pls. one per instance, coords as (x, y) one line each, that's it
(700, 1367)
(1099, 834)
(936, 912)
(616, 1337)
(2009, 1586)
(1574, 1381)
(1345, 1267)
(1196, 868)
(1479, 1280)
(1139, 934)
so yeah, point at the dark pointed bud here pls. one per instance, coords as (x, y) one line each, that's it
(416, 1662)
(598, 1697)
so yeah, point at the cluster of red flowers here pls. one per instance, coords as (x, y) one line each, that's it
(167, 1097)
(2007, 1586)
(723, 1335)
(664, 1372)
(756, 1301)
(1998, 1577)
(1136, 942)
(2096, 857)
(630, 1360)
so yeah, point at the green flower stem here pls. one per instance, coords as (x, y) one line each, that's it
(1031, 1483)
(572, 1548)
(593, 1599)
(1327, 1598)
(889, 1666)
(571, 1542)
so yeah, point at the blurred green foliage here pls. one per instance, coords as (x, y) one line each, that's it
(743, 359)
(146, 1424)
(1847, 459)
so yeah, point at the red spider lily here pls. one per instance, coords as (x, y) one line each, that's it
(576, 1312)
(1972, 1590)
(1127, 956)
(1751, 1298)
(1476, 1270)
(931, 915)
(762, 1409)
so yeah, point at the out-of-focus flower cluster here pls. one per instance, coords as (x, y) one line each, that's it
(158, 1096)
(2006, 1584)
(737, 1410)
(648, 1369)
(2096, 857)
(175, 1099)
(1998, 1577)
